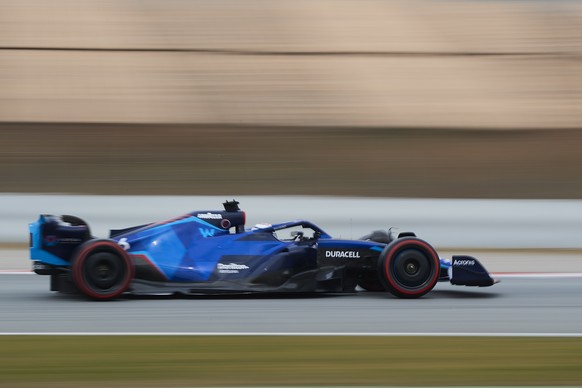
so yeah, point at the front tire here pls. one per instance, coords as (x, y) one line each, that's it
(409, 267)
(102, 269)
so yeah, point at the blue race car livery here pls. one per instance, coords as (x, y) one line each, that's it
(211, 252)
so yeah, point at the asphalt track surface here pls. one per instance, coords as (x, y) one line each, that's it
(516, 306)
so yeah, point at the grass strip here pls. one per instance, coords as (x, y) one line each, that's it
(148, 361)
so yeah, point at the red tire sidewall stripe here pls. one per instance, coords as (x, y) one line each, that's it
(426, 248)
(82, 256)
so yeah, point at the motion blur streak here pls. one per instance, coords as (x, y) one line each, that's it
(414, 98)
(200, 160)
(465, 64)
(362, 98)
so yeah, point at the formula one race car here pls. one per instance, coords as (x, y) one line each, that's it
(211, 252)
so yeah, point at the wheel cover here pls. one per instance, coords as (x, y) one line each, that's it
(411, 269)
(103, 272)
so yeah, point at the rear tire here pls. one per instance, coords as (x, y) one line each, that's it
(102, 269)
(409, 267)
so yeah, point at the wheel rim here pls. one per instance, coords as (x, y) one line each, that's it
(103, 272)
(412, 269)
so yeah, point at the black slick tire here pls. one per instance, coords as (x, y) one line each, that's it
(409, 267)
(102, 270)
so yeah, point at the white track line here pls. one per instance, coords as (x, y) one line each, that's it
(536, 275)
(296, 334)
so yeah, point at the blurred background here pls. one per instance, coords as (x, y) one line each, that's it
(415, 98)
(461, 118)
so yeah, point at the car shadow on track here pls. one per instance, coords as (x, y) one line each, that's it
(435, 294)
(462, 294)
(251, 296)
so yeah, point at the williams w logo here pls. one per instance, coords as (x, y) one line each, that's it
(206, 232)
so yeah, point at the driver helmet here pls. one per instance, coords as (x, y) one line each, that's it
(261, 226)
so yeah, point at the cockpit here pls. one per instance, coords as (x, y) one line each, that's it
(299, 231)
